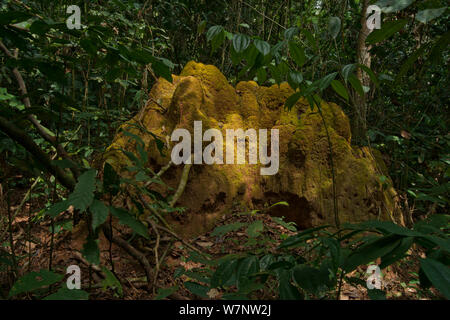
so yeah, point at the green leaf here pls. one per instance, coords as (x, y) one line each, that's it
(356, 84)
(225, 274)
(83, 194)
(427, 15)
(111, 281)
(288, 225)
(165, 292)
(99, 213)
(262, 46)
(197, 289)
(371, 250)
(297, 53)
(162, 68)
(296, 78)
(438, 274)
(67, 294)
(201, 27)
(398, 253)
(290, 33)
(340, 89)
(126, 218)
(376, 294)
(221, 230)
(334, 26)
(310, 279)
(246, 267)
(33, 281)
(371, 74)
(326, 81)
(292, 100)
(261, 74)
(39, 27)
(240, 42)
(387, 30)
(89, 46)
(310, 38)
(286, 290)
(347, 70)
(57, 208)
(91, 251)
(300, 237)
(255, 229)
(213, 32)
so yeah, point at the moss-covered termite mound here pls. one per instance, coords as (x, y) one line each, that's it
(304, 180)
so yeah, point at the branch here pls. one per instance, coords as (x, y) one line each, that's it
(25, 140)
(139, 256)
(182, 185)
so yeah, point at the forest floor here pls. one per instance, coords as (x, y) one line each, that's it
(32, 242)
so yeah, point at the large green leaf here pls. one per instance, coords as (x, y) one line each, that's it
(347, 70)
(438, 274)
(310, 279)
(255, 229)
(91, 251)
(372, 250)
(57, 208)
(165, 292)
(197, 289)
(386, 31)
(83, 194)
(356, 84)
(221, 230)
(225, 274)
(292, 100)
(67, 294)
(33, 281)
(127, 219)
(340, 89)
(297, 53)
(290, 33)
(240, 42)
(262, 46)
(213, 32)
(99, 213)
(326, 80)
(286, 290)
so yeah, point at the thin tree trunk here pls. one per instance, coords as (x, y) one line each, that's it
(364, 58)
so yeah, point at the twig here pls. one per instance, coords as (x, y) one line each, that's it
(160, 173)
(139, 256)
(155, 249)
(182, 185)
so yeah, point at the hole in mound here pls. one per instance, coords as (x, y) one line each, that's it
(298, 211)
